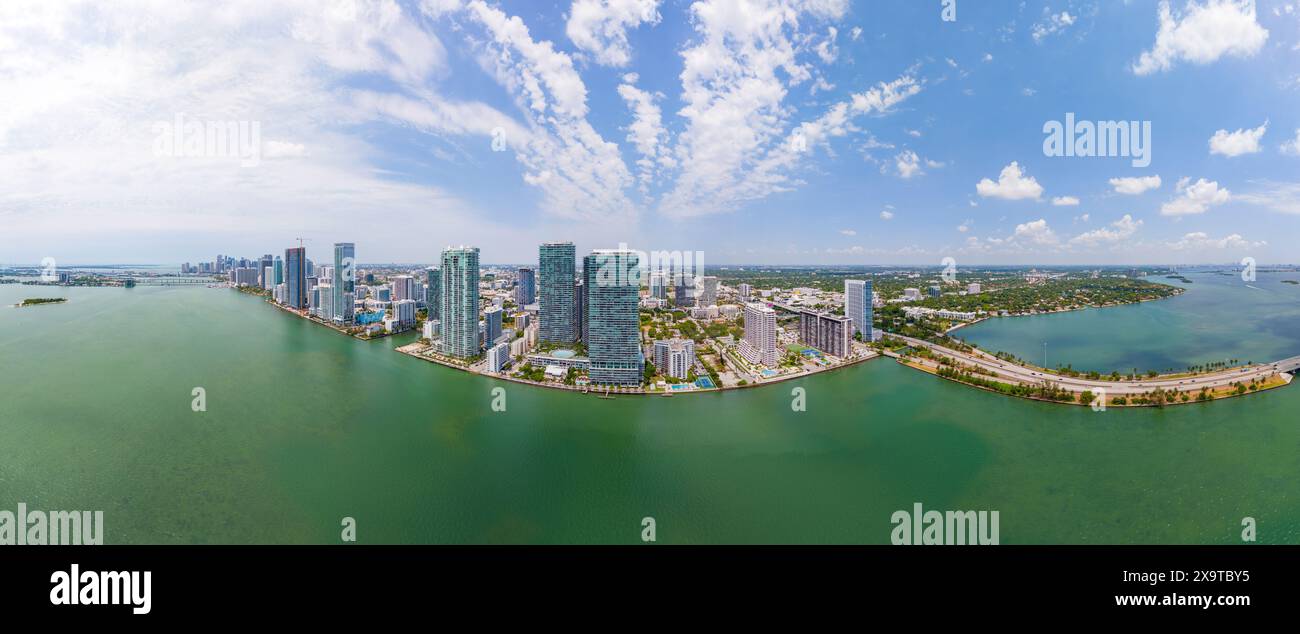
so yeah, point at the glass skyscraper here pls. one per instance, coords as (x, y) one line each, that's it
(613, 279)
(555, 298)
(296, 277)
(526, 291)
(433, 292)
(581, 299)
(460, 302)
(343, 291)
(857, 306)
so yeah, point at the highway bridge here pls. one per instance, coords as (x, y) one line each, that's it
(168, 280)
(1005, 370)
(1287, 365)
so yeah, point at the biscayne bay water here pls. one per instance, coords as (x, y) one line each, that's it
(305, 426)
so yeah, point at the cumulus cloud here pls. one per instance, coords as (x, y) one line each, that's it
(1036, 232)
(848, 232)
(1195, 198)
(599, 27)
(886, 215)
(1134, 185)
(1065, 201)
(1116, 232)
(1203, 33)
(1012, 184)
(908, 164)
(1237, 143)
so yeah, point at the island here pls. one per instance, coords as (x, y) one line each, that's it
(40, 301)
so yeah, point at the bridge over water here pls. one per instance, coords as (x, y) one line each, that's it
(1287, 365)
(149, 280)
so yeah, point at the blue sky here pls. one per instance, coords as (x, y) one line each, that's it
(756, 131)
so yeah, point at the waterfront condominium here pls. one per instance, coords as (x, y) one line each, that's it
(344, 283)
(832, 334)
(433, 292)
(296, 277)
(857, 306)
(526, 288)
(613, 321)
(555, 300)
(460, 302)
(674, 357)
(759, 345)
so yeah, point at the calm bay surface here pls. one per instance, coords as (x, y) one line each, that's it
(305, 426)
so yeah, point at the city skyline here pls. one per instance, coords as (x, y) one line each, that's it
(656, 125)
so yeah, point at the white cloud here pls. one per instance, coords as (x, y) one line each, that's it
(1199, 241)
(1035, 233)
(908, 164)
(1012, 185)
(856, 33)
(1065, 201)
(988, 57)
(886, 215)
(1280, 197)
(1203, 33)
(581, 175)
(84, 83)
(826, 49)
(848, 232)
(1195, 198)
(1237, 143)
(646, 133)
(1291, 147)
(1118, 231)
(1054, 23)
(1134, 185)
(599, 27)
(739, 143)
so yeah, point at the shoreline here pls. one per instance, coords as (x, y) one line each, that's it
(1075, 401)
(964, 324)
(560, 386)
(409, 350)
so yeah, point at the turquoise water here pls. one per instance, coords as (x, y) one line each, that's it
(305, 426)
(1218, 319)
